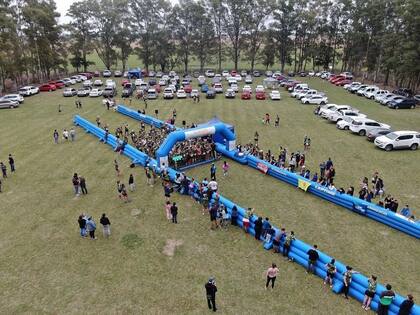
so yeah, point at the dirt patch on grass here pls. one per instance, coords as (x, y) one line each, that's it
(135, 212)
(170, 247)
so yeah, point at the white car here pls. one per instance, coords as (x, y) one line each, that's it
(28, 90)
(230, 93)
(72, 81)
(87, 83)
(340, 114)
(298, 87)
(248, 79)
(327, 110)
(144, 86)
(82, 77)
(361, 90)
(298, 91)
(275, 95)
(162, 82)
(315, 99)
(172, 87)
(344, 124)
(152, 94)
(110, 83)
(259, 88)
(235, 87)
(201, 80)
(269, 73)
(356, 88)
(225, 73)
(238, 77)
(379, 97)
(399, 140)
(311, 73)
(362, 126)
(95, 93)
(209, 73)
(13, 97)
(181, 94)
(247, 88)
(98, 83)
(138, 82)
(218, 87)
(372, 95)
(395, 97)
(172, 73)
(370, 91)
(351, 85)
(165, 77)
(306, 94)
(106, 73)
(168, 93)
(194, 92)
(77, 78)
(232, 81)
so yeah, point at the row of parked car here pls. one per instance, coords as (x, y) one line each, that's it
(306, 95)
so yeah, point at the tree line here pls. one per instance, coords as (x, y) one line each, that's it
(378, 39)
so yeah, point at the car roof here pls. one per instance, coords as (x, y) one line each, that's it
(405, 132)
(365, 119)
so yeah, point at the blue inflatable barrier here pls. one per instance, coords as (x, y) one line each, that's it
(149, 120)
(298, 249)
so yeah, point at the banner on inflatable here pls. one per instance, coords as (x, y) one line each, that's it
(303, 184)
(262, 167)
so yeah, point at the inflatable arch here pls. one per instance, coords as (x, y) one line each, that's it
(216, 130)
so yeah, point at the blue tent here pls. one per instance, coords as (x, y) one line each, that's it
(134, 73)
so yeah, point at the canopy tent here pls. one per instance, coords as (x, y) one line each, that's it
(270, 83)
(134, 73)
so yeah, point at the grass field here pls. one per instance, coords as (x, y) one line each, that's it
(48, 269)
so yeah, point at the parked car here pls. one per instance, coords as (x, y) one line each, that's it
(374, 133)
(181, 93)
(403, 104)
(47, 87)
(269, 73)
(315, 99)
(204, 88)
(82, 92)
(218, 87)
(230, 93)
(361, 90)
(386, 101)
(370, 92)
(209, 73)
(58, 84)
(95, 93)
(372, 95)
(298, 90)
(311, 73)
(306, 93)
(355, 88)
(417, 98)
(260, 95)
(362, 126)
(69, 92)
(210, 94)
(106, 73)
(168, 93)
(188, 88)
(245, 95)
(194, 93)
(98, 83)
(256, 73)
(343, 82)
(109, 91)
(259, 88)
(235, 87)
(298, 86)
(352, 85)
(326, 110)
(77, 78)
(152, 74)
(399, 140)
(162, 82)
(340, 114)
(118, 73)
(8, 104)
(403, 92)
(345, 123)
(380, 96)
(28, 90)
(248, 79)
(128, 90)
(225, 73)
(201, 80)
(13, 97)
(275, 95)
(247, 88)
(152, 94)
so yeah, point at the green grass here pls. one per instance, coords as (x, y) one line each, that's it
(48, 269)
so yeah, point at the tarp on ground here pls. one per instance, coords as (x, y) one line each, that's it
(134, 73)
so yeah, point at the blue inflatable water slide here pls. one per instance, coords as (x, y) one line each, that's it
(298, 250)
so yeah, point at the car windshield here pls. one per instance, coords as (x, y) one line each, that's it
(391, 135)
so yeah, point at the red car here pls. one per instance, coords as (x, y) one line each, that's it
(336, 78)
(245, 95)
(124, 82)
(233, 73)
(260, 96)
(188, 88)
(88, 75)
(157, 88)
(343, 82)
(58, 84)
(96, 74)
(47, 87)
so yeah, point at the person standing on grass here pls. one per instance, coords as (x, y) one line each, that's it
(331, 270)
(117, 168)
(211, 290)
(313, 256)
(82, 225)
(3, 170)
(72, 134)
(167, 190)
(256, 136)
(258, 227)
(82, 183)
(287, 244)
(386, 299)
(271, 275)
(369, 293)
(0, 185)
(91, 228)
(168, 210)
(225, 168)
(55, 136)
(106, 225)
(406, 306)
(213, 172)
(11, 163)
(174, 213)
(76, 184)
(234, 216)
(213, 215)
(347, 277)
(124, 194)
(131, 183)
(65, 134)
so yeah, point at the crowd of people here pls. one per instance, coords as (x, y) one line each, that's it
(67, 135)
(192, 151)
(87, 226)
(3, 169)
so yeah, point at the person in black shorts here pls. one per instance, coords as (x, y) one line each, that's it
(331, 270)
